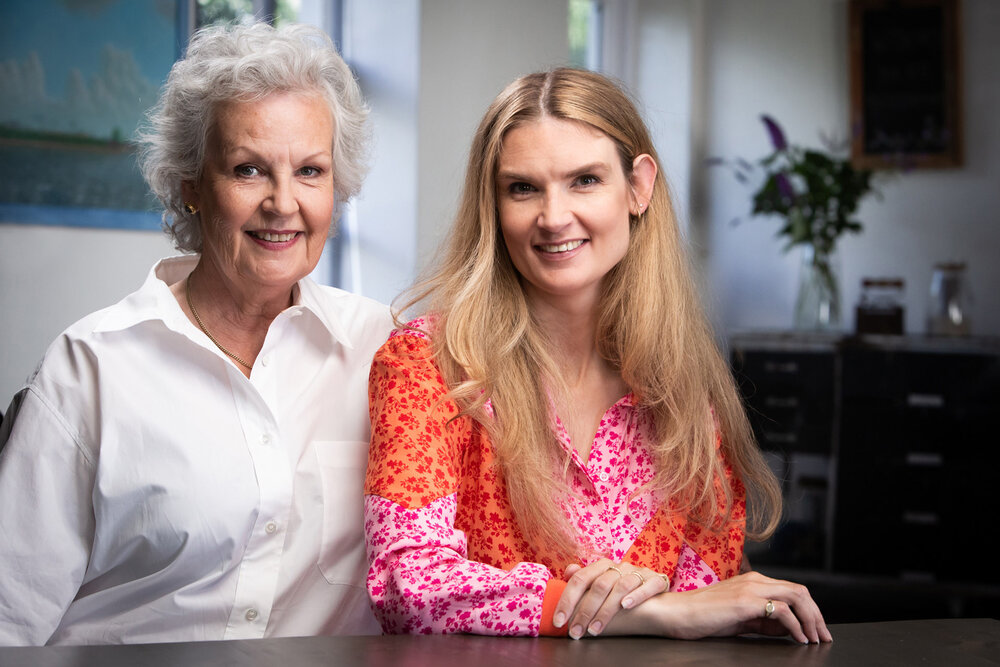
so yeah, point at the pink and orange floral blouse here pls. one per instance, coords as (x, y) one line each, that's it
(445, 552)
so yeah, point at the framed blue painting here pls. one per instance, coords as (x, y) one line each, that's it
(76, 79)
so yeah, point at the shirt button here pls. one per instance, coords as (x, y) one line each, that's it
(265, 360)
(270, 527)
(604, 477)
(265, 439)
(251, 614)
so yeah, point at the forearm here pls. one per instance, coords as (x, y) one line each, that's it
(420, 580)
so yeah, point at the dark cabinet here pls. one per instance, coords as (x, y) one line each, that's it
(887, 449)
(917, 463)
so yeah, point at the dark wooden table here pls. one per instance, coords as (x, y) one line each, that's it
(951, 643)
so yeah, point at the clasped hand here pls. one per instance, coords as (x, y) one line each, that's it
(619, 598)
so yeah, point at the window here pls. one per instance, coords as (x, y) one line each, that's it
(276, 12)
(586, 19)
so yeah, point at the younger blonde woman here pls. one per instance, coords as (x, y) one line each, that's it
(558, 447)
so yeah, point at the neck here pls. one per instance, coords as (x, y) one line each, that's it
(237, 326)
(572, 329)
(242, 303)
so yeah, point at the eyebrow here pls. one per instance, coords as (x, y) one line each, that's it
(243, 150)
(573, 173)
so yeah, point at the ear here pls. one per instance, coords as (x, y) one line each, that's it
(642, 180)
(189, 193)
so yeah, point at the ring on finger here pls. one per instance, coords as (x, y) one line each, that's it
(768, 609)
(615, 568)
(642, 579)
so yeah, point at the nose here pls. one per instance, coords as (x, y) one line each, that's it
(281, 201)
(556, 212)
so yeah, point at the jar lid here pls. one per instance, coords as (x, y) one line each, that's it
(950, 266)
(883, 282)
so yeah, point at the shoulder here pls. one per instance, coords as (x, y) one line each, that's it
(75, 352)
(405, 365)
(409, 345)
(359, 322)
(355, 311)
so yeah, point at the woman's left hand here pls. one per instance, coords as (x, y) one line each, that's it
(595, 593)
(746, 603)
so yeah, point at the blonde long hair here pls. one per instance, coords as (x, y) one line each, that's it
(650, 327)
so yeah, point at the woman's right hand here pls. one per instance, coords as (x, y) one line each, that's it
(598, 592)
(731, 607)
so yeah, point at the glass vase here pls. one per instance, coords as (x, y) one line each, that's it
(818, 304)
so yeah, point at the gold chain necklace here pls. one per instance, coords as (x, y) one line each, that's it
(201, 325)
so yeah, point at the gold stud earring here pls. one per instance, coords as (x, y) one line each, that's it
(190, 208)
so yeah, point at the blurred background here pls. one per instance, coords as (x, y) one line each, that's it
(882, 437)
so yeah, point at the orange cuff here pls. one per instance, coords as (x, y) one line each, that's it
(553, 591)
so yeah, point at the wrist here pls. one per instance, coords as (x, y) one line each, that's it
(651, 617)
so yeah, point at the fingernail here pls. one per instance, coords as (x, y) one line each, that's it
(576, 631)
(559, 619)
(627, 603)
(595, 628)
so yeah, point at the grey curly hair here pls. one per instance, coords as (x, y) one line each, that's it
(243, 63)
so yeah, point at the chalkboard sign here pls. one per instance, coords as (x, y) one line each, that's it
(905, 83)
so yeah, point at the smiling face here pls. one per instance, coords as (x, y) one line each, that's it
(564, 203)
(266, 191)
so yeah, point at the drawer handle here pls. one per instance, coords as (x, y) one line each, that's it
(783, 438)
(781, 367)
(924, 459)
(921, 518)
(925, 400)
(781, 401)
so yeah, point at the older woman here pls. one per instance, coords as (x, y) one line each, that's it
(558, 448)
(187, 464)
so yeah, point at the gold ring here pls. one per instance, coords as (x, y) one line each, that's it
(642, 579)
(666, 579)
(768, 609)
(615, 569)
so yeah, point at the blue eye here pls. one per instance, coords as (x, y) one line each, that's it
(246, 170)
(309, 171)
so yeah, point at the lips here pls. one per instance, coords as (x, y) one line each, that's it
(561, 247)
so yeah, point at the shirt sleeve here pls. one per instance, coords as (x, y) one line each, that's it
(420, 579)
(46, 519)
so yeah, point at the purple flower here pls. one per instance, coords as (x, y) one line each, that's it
(777, 135)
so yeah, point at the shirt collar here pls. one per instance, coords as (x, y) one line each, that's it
(330, 312)
(155, 301)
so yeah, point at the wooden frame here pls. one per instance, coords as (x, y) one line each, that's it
(905, 72)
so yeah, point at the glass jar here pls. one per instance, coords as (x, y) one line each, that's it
(880, 308)
(950, 301)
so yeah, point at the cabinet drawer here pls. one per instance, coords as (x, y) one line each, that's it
(789, 397)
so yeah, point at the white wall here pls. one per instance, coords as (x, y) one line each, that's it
(470, 50)
(789, 58)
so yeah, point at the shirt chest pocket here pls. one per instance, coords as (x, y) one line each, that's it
(342, 476)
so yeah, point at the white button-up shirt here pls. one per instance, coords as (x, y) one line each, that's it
(149, 491)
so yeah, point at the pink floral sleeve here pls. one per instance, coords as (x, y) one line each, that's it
(420, 581)
(692, 572)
